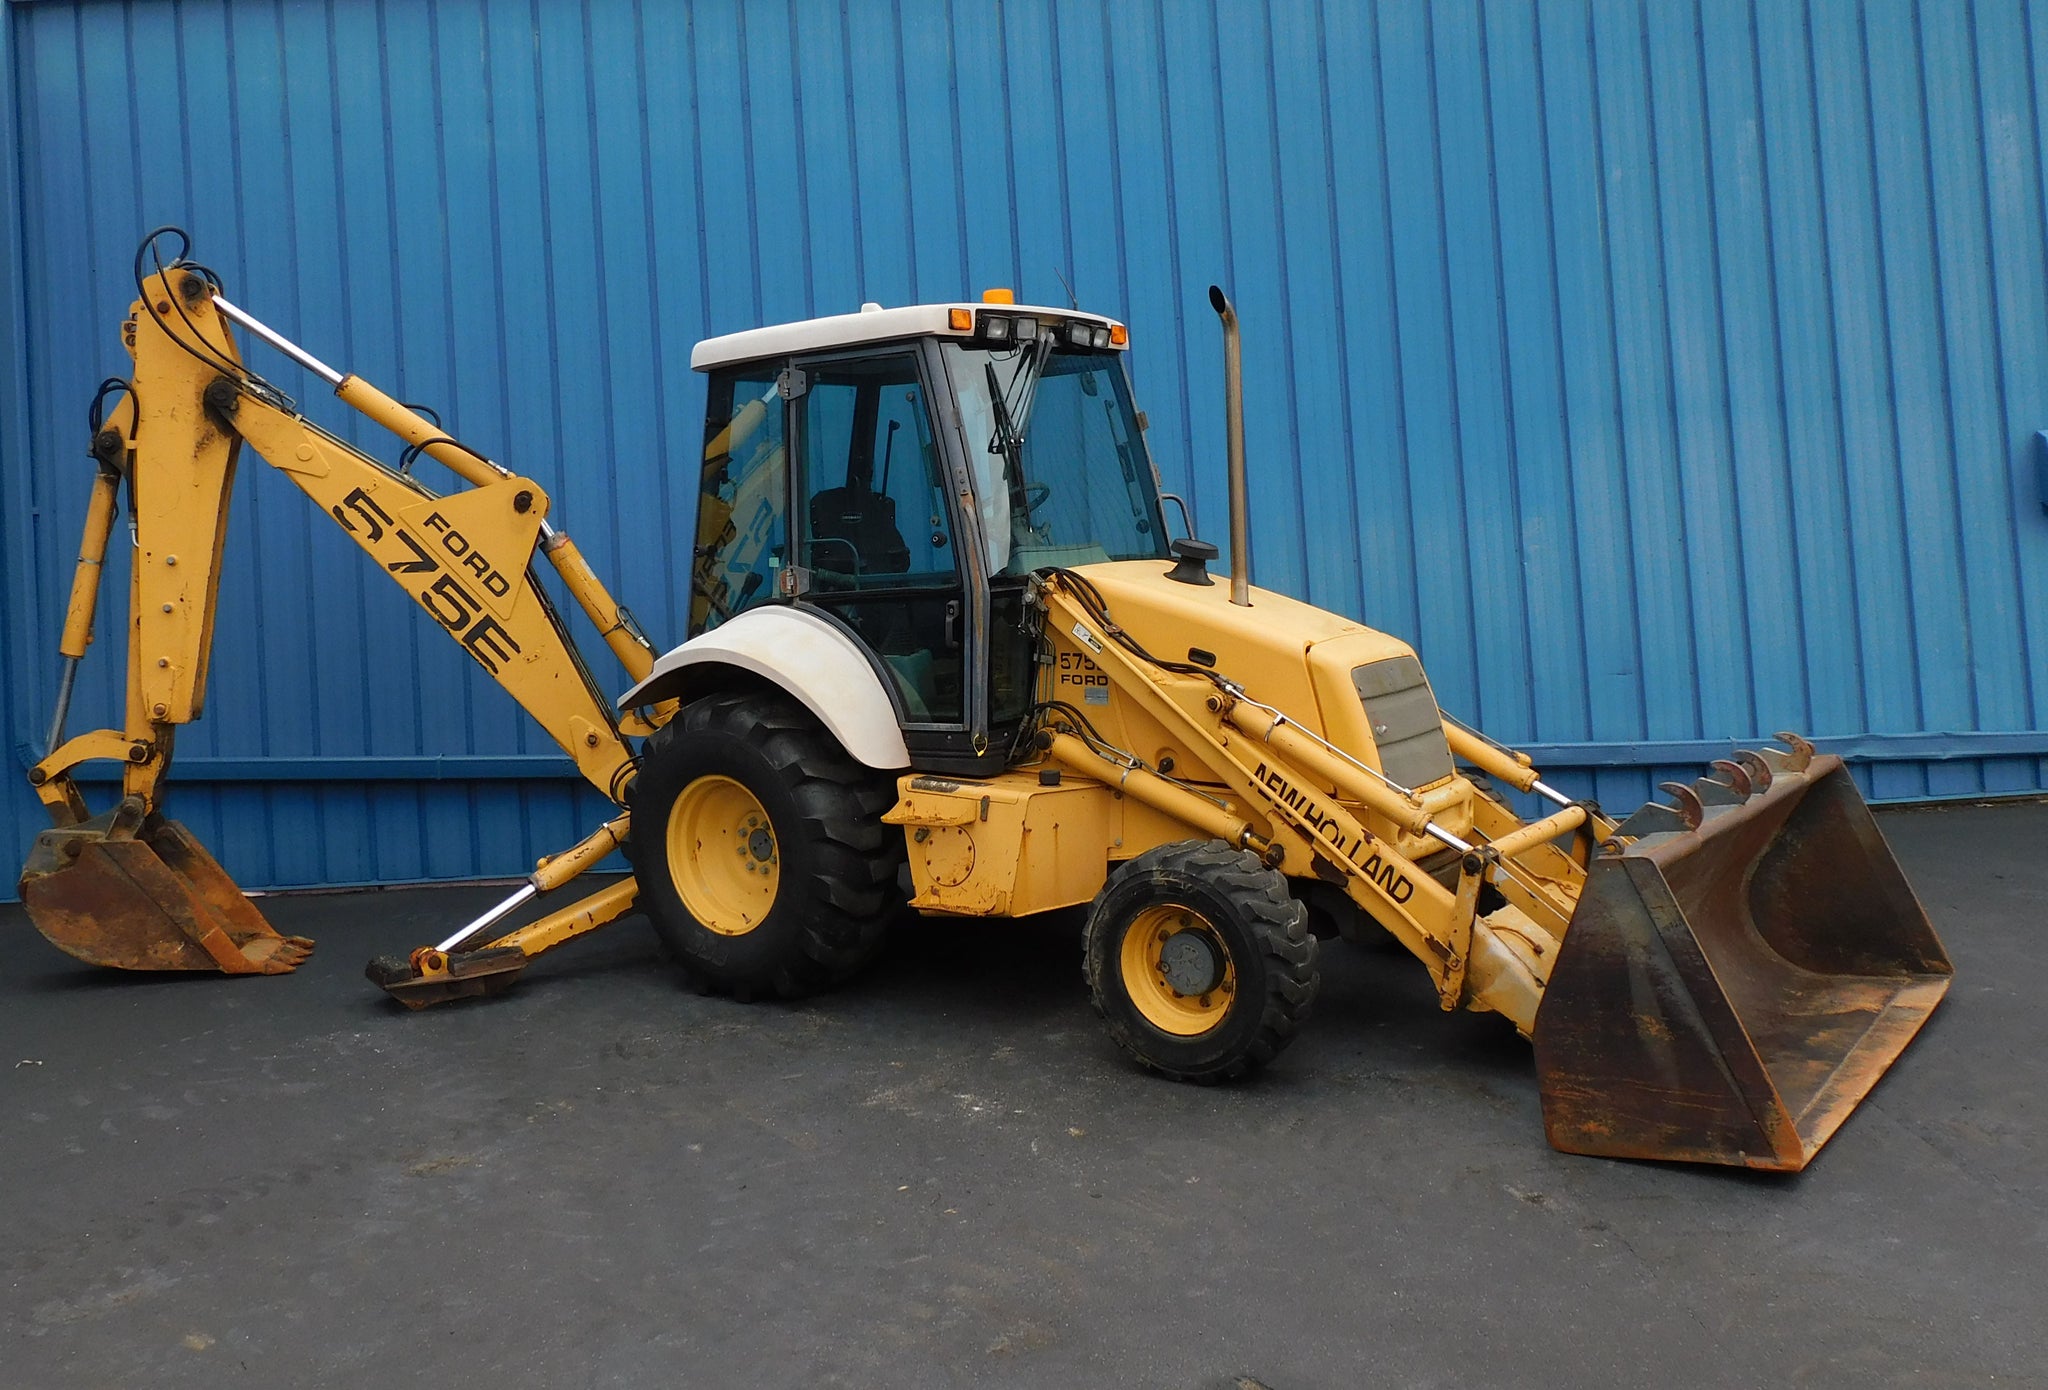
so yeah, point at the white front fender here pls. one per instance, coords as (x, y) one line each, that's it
(803, 654)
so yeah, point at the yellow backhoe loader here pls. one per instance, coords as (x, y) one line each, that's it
(942, 649)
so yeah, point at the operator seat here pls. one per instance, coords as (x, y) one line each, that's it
(853, 531)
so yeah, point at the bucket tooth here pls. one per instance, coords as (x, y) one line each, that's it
(1802, 751)
(1735, 775)
(1687, 803)
(1652, 818)
(1713, 793)
(1759, 770)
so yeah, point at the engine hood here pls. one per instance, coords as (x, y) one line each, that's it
(1285, 653)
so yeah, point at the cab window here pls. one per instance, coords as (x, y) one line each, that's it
(1079, 488)
(742, 500)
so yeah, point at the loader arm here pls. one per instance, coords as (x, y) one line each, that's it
(128, 888)
(1281, 776)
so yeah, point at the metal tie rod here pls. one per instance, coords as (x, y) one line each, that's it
(475, 930)
(279, 341)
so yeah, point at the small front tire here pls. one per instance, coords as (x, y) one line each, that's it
(1199, 961)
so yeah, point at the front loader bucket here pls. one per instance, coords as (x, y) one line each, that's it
(1728, 993)
(142, 894)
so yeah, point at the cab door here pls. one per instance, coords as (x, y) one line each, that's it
(876, 537)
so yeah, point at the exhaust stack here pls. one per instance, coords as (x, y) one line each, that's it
(1233, 415)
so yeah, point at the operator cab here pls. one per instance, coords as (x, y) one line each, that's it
(901, 473)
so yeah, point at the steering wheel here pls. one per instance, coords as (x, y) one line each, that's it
(1034, 496)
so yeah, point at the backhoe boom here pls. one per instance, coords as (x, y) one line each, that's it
(121, 889)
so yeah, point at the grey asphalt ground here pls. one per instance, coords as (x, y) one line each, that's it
(946, 1174)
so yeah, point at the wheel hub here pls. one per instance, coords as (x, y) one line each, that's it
(1176, 970)
(1191, 963)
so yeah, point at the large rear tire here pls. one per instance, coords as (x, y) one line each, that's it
(1200, 963)
(758, 844)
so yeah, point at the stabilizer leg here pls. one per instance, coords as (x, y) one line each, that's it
(458, 968)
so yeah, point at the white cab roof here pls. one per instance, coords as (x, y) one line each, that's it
(873, 324)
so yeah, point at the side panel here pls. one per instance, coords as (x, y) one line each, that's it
(1004, 847)
(1012, 846)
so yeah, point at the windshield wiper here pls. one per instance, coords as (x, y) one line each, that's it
(1013, 407)
(1008, 439)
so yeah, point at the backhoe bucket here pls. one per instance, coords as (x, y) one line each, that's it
(1727, 993)
(141, 894)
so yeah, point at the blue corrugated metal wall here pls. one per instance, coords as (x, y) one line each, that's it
(1665, 371)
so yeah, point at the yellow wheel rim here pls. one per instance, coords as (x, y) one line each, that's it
(1169, 953)
(722, 855)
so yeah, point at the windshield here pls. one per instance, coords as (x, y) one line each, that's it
(1078, 488)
